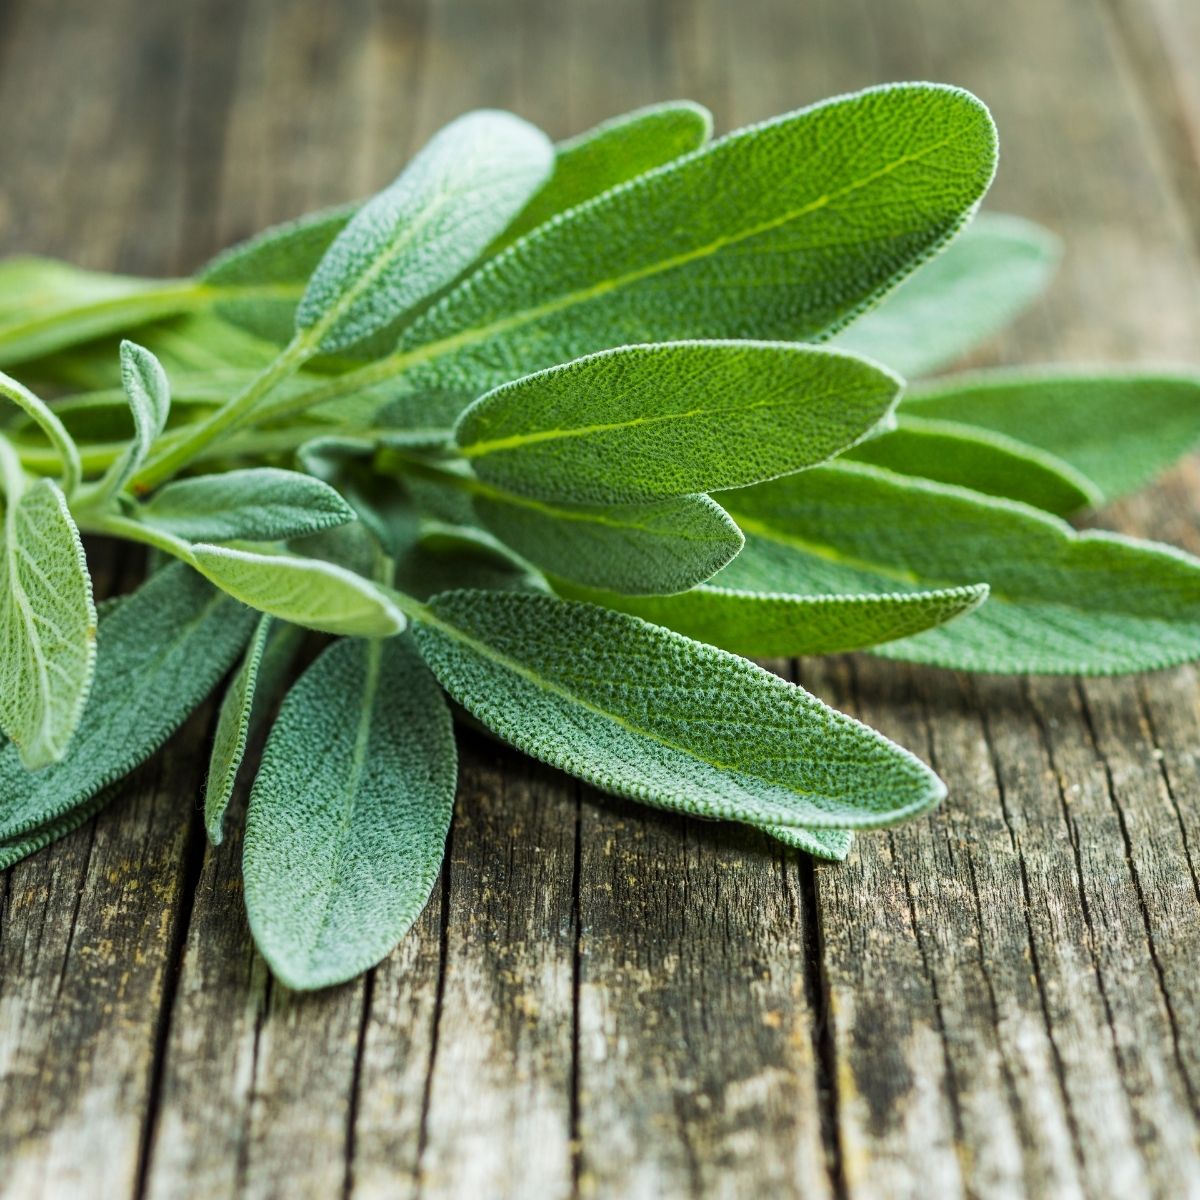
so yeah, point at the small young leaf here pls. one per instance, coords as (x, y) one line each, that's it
(148, 394)
(662, 547)
(1060, 602)
(987, 462)
(257, 504)
(159, 653)
(305, 591)
(983, 279)
(255, 684)
(652, 422)
(768, 623)
(47, 624)
(1118, 428)
(348, 817)
(259, 282)
(415, 236)
(690, 251)
(611, 153)
(642, 712)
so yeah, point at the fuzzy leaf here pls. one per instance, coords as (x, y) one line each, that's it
(1060, 601)
(47, 625)
(611, 153)
(979, 283)
(47, 305)
(646, 713)
(258, 504)
(447, 558)
(348, 818)
(647, 423)
(664, 546)
(255, 684)
(13, 849)
(148, 394)
(160, 651)
(259, 282)
(417, 235)
(305, 591)
(977, 458)
(1117, 428)
(690, 251)
(766, 622)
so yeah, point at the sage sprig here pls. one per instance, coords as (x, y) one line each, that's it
(566, 434)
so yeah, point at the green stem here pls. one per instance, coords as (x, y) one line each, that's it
(12, 477)
(228, 417)
(115, 525)
(51, 426)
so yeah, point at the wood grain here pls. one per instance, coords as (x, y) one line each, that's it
(601, 1001)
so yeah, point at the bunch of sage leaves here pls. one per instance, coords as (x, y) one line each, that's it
(565, 433)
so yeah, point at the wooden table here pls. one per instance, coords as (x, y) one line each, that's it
(1000, 1000)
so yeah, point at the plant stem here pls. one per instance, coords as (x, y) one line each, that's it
(51, 426)
(115, 525)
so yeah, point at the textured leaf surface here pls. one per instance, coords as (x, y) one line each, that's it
(1119, 429)
(47, 625)
(254, 686)
(160, 651)
(690, 251)
(13, 849)
(348, 817)
(1060, 602)
(651, 422)
(611, 153)
(977, 458)
(447, 558)
(148, 394)
(983, 279)
(646, 713)
(416, 236)
(46, 305)
(305, 591)
(262, 279)
(259, 504)
(766, 622)
(661, 547)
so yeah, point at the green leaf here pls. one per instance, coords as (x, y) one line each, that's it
(613, 152)
(159, 653)
(348, 818)
(405, 244)
(13, 849)
(258, 504)
(976, 458)
(642, 712)
(1118, 428)
(766, 622)
(1060, 602)
(652, 422)
(979, 283)
(447, 558)
(47, 305)
(148, 394)
(47, 624)
(660, 547)
(847, 198)
(256, 683)
(40, 413)
(305, 591)
(260, 281)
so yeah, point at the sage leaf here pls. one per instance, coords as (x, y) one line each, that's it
(767, 622)
(148, 394)
(661, 547)
(611, 153)
(160, 651)
(977, 458)
(306, 591)
(1060, 602)
(255, 684)
(1118, 428)
(645, 713)
(348, 817)
(39, 412)
(979, 283)
(690, 251)
(415, 236)
(257, 504)
(47, 305)
(47, 623)
(446, 558)
(258, 283)
(13, 849)
(652, 422)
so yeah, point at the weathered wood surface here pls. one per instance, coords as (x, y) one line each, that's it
(1000, 1000)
